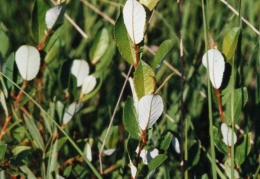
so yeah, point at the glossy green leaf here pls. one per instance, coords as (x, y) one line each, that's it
(38, 20)
(106, 59)
(194, 155)
(221, 146)
(156, 162)
(144, 80)
(2, 151)
(230, 42)
(34, 132)
(130, 119)
(99, 46)
(150, 4)
(19, 149)
(165, 141)
(242, 148)
(163, 50)
(123, 41)
(240, 99)
(4, 39)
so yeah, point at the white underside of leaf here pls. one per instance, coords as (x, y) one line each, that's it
(216, 66)
(89, 84)
(109, 152)
(71, 110)
(80, 69)
(134, 19)
(130, 79)
(148, 155)
(150, 108)
(176, 145)
(133, 169)
(52, 15)
(227, 134)
(88, 152)
(28, 60)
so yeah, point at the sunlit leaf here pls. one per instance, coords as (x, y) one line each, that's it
(130, 119)
(88, 151)
(176, 145)
(80, 69)
(27, 59)
(123, 41)
(227, 134)
(133, 169)
(228, 169)
(131, 82)
(134, 19)
(28, 172)
(54, 15)
(89, 84)
(148, 155)
(71, 110)
(230, 42)
(163, 50)
(144, 80)
(216, 66)
(150, 109)
(19, 149)
(109, 152)
(150, 4)
(3, 102)
(100, 45)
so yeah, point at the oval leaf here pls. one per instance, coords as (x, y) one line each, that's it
(27, 59)
(80, 69)
(134, 19)
(176, 145)
(144, 80)
(150, 109)
(89, 84)
(227, 134)
(72, 109)
(216, 66)
(99, 46)
(123, 41)
(54, 15)
(150, 4)
(230, 42)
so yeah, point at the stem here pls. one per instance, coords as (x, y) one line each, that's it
(220, 106)
(20, 94)
(41, 44)
(212, 149)
(136, 56)
(7, 120)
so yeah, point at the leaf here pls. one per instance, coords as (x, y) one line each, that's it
(150, 108)
(19, 149)
(89, 84)
(38, 22)
(96, 89)
(9, 70)
(28, 172)
(88, 151)
(227, 134)
(34, 132)
(165, 141)
(3, 102)
(27, 59)
(132, 145)
(240, 100)
(130, 119)
(53, 163)
(4, 39)
(54, 15)
(80, 69)
(100, 45)
(150, 4)
(134, 19)
(193, 155)
(221, 146)
(105, 60)
(71, 110)
(243, 148)
(163, 50)
(112, 138)
(2, 151)
(144, 80)
(230, 42)
(156, 162)
(216, 66)
(131, 82)
(123, 41)
(176, 145)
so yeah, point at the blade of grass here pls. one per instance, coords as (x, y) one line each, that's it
(212, 148)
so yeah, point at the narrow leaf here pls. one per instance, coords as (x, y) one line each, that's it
(19, 149)
(150, 108)
(2, 151)
(3, 102)
(28, 172)
(80, 69)
(165, 141)
(144, 80)
(99, 47)
(27, 59)
(130, 119)
(163, 50)
(134, 19)
(230, 42)
(216, 66)
(123, 41)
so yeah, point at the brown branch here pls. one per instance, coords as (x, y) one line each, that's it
(220, 106)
